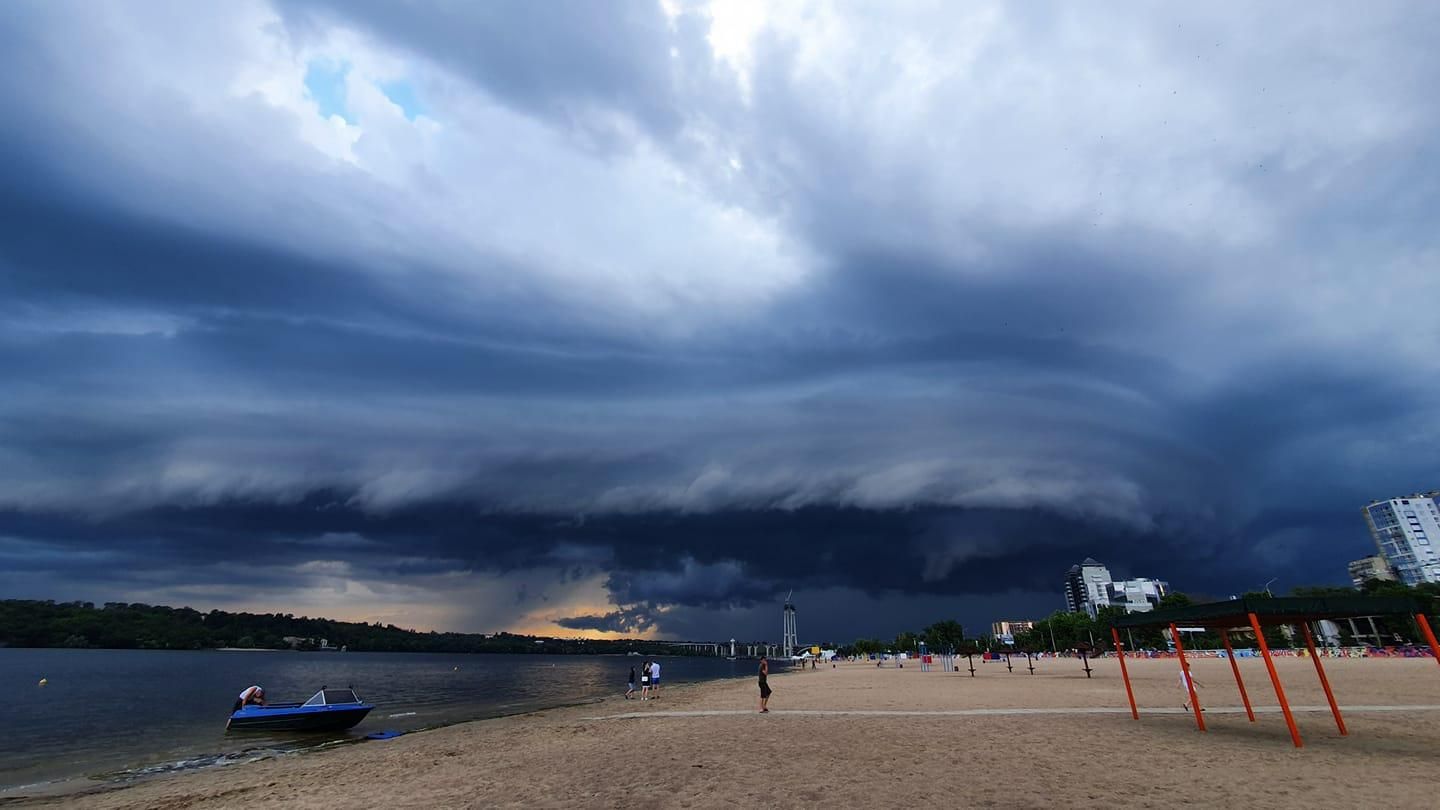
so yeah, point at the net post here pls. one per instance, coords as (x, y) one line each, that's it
(1275, 679)
(1189, 679)
(1429, 635)
(1235, 667)
(1125, 673)
(1324, 682)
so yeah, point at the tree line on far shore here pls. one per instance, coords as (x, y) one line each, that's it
(118, 625)
(1063, 631)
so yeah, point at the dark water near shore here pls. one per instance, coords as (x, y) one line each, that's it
(115, 714)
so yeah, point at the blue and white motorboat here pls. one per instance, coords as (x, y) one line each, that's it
(327, 710)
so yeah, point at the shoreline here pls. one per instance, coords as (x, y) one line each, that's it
(79, 787)
(857, 730)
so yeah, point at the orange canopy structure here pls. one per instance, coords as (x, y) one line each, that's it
(1254, 614)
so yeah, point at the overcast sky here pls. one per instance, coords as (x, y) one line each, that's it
(564, 317)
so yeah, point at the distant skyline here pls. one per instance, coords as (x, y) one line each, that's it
(631, 317)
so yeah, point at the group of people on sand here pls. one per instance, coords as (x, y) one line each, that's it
(649, 681)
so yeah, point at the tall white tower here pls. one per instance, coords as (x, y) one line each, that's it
(790, 642)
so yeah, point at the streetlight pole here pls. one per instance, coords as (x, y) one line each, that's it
(1267, 586)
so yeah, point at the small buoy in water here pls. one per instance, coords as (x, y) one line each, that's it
(456, 669)
(44, 681)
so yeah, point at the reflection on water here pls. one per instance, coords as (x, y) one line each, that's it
(129, 713)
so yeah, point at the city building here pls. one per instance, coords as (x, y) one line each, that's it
(1404, 530)
(1368, 568)
(1089, 587)
(1008, 630)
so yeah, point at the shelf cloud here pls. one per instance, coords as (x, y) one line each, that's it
(633, 320)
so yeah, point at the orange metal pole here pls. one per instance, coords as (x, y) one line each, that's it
(1235, 667)
(1325, 682)
(1124, 673)
(1189, 680)
(1429, 634)
(1275, 679)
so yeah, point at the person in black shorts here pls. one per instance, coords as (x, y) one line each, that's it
(764, 687)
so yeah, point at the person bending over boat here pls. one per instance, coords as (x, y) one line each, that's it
(253, 696)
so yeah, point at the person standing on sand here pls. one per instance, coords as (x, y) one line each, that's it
(631, 690)
(1186, 681)
(655, 679)
(645, 681)
(764, 687)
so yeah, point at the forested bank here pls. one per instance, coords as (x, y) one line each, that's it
(118, 625)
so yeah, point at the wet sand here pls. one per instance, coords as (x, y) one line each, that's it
(858, 735)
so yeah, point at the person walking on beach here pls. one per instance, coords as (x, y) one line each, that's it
(630, 691)
(764, 687)
(1186, 681)
(645, 681)
(655, 679)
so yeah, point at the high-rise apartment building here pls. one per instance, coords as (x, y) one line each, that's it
(1367, 568)
(1405, 530)
(1089, 587)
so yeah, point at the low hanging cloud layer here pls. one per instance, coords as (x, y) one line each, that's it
(632, 319)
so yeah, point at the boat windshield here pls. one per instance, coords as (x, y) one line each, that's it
(331, 697)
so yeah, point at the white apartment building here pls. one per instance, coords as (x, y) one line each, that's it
(1367, 568)
(1089, 587)
(1009, 628)
(1405, 530)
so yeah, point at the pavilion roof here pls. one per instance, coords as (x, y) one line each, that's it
(1276, 610)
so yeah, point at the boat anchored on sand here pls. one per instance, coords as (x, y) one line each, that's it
(327, 710)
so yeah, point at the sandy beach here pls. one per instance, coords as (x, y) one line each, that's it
(857, 734)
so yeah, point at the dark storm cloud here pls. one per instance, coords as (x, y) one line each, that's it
(907, 333)
(628, 621)
(714, 561)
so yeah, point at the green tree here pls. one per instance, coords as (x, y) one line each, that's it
(1276, 636)
(945, 635)
(1175, 599)
(869, 646)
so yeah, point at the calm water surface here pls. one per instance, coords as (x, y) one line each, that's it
(116, 714)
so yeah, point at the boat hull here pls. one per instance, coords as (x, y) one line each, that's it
(300, 718)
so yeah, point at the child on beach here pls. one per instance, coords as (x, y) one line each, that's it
(1186, 681)
(631, 690)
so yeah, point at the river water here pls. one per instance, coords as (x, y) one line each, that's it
(120, 714)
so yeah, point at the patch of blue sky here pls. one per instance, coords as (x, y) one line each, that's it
(325, 82)
(402, 94)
